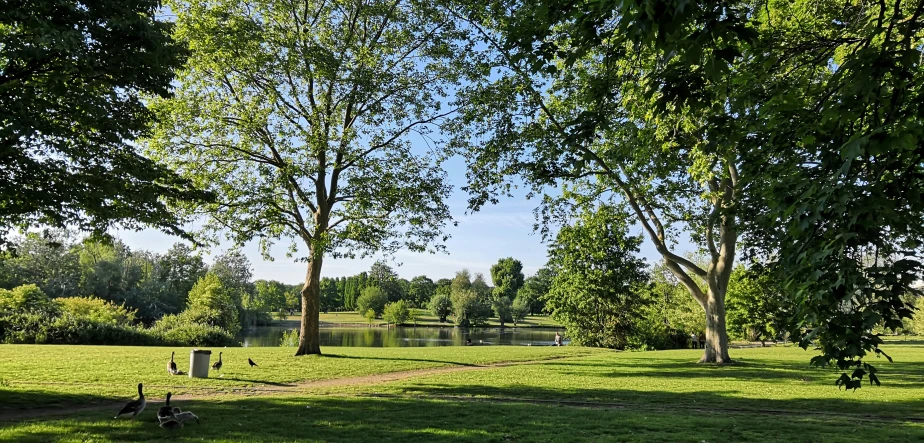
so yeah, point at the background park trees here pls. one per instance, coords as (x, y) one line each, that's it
(507, 276)
(299, 116)
(599, 283)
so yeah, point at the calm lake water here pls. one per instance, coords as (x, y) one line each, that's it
(379, 337)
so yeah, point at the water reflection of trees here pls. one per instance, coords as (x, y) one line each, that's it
(409, 336)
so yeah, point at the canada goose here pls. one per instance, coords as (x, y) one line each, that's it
(165, 418)
(171, 367)
(134, 407)
(217, 365)
(184, 417)
(252, 364)
(165, 411)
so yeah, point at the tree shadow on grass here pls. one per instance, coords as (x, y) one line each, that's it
(907, 374)
(838, 402)
(426, 420)
(15, 401)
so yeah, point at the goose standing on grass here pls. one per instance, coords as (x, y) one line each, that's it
(166, 412)
(217, 365)
(134, 407)
(171, 367)
(252, 364)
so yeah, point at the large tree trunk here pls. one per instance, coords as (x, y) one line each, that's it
(309, 339)
(716, 349)
(717, 277)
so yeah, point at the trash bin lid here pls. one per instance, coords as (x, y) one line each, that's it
(201, 351)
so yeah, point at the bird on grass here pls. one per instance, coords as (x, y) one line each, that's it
(168, 417)
(186, 416)
(171, 366)
(252, 364)
(166, 411)
(134, 407)
(217, 365)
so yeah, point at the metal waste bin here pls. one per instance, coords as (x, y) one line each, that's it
(199, 363)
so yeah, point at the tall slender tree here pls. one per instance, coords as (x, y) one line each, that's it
(301, 116)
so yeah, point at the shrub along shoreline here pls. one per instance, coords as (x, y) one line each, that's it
(28, 316)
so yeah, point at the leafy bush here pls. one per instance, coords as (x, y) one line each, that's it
(502, 307)
(289, 339)
(373, 298)
(209, 293)
(519, 309)
(469, 308)
(196, 326)
(69, 329)
(370, 316)
(200, 315)
(396, 313)
(651, 333)
(914, 325)
(440, 305)
(757, 307)
(26, 298)
(28, 316)
(599, 283)
(97, 310)
(193, 334)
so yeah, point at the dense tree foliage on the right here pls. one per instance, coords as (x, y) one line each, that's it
(796, 123)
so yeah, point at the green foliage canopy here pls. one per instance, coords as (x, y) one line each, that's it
(598, 279)
(72, 77)
(507, 275)
(373, 299)
(210, 294)
(396, 313)
(470, 308)
(440, 305)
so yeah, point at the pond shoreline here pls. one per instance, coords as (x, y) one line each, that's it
(365, 335)
(295, 324)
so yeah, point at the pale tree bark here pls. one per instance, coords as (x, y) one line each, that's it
(721, 257)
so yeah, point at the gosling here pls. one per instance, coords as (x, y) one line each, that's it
(186, 416)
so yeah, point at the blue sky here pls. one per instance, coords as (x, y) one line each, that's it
(480, 239)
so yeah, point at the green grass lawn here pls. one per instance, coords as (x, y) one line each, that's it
(770, 394)
(41, 375)
(426, 319)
